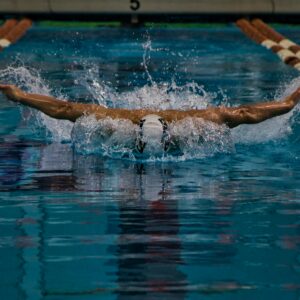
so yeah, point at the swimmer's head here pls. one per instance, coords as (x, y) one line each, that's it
(153, 136)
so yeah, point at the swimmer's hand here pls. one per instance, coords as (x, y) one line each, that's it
(11, 91)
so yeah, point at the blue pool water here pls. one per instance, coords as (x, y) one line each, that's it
(81, 218)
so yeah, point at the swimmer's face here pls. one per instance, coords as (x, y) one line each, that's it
(153, 136)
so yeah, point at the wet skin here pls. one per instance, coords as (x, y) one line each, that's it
(231, 116)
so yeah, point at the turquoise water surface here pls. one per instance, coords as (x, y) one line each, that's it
(82, 218)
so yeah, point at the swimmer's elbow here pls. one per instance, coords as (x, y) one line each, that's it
(252, 115)
(242, 115)
(246, 114)
(65, 112)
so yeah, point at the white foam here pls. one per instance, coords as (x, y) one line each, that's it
(106, 137)
(272, 129)
(197, 138)
(31, 81)
(116, 138)
(192, 138)
(152, 96)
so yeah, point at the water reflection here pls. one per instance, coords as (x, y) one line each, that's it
(153, 241)
(149, 247)
(85, 226)
(11, 164)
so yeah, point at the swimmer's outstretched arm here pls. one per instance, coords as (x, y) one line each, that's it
(71, 111)
(51, 106)
(256, 113)
(231, 116)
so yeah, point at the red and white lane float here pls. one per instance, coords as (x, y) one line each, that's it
(276, 36)
(11, 31)
(286, 55)
(7, 26)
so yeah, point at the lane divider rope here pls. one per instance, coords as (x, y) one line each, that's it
(286, 55)
(276, 36)
(7, 26)
(13, 31)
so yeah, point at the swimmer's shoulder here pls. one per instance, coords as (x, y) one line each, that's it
(133, 115)
(209, 114)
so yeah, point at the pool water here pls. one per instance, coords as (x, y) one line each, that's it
(83, 218)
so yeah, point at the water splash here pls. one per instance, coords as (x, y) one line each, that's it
(30, 80)
(108, 137)
(197, 138)
(99, 91)
(165, 95)
(193, 138)
(273, 129)
(147, 46)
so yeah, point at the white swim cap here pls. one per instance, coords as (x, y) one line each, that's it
(153, 136)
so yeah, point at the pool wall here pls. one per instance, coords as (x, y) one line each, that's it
(151, 9)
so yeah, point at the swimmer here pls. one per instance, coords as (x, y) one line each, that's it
(153, 124)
